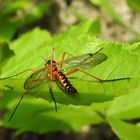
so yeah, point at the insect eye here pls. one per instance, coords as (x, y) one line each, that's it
(51, 61)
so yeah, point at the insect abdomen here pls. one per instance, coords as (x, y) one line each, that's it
(65, 83)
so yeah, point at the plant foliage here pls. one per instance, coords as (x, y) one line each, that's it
(116, 100)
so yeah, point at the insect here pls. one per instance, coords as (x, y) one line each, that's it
(52, 71)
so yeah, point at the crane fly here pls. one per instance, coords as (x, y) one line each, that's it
(52, 71)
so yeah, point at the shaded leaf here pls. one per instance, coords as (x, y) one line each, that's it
(135, 5)
(5, 53)
(124, 130)
(19, 13)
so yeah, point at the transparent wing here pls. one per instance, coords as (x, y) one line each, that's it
(37, 78)
(86, 60)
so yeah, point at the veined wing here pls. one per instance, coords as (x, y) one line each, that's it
(86, 60)
(37, 78)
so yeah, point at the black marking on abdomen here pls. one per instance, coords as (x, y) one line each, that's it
(65, 83)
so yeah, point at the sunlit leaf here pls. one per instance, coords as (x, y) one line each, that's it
(35, 47)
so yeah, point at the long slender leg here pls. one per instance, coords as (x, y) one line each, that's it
(101, 80)
(111, 80)
(63, 58)
(51, 78)
(75, 70)
(53, 96)
(16, 107)
(54, 55)
(18, 74)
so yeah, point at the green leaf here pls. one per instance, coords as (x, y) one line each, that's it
(40, 117)
(127, 106)
(7, 33)
(135, 5)
(95, 28)
(14, 6)
(95, 91)
(122, 62)
(19, 13)
(96, 2)
(5, 53)
(119, 59)
(124, 130)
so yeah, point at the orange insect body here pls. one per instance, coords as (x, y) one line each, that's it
(65, 83)
(61, 77)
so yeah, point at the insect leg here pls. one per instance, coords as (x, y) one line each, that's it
(18, 74)
(63, 58)
(75, 70)
(101, 80)
(51, 78)
(16, 107)
(54, 55)
(50, 88)
(53, 96)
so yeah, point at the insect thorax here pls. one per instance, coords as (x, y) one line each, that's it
(51, 64)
